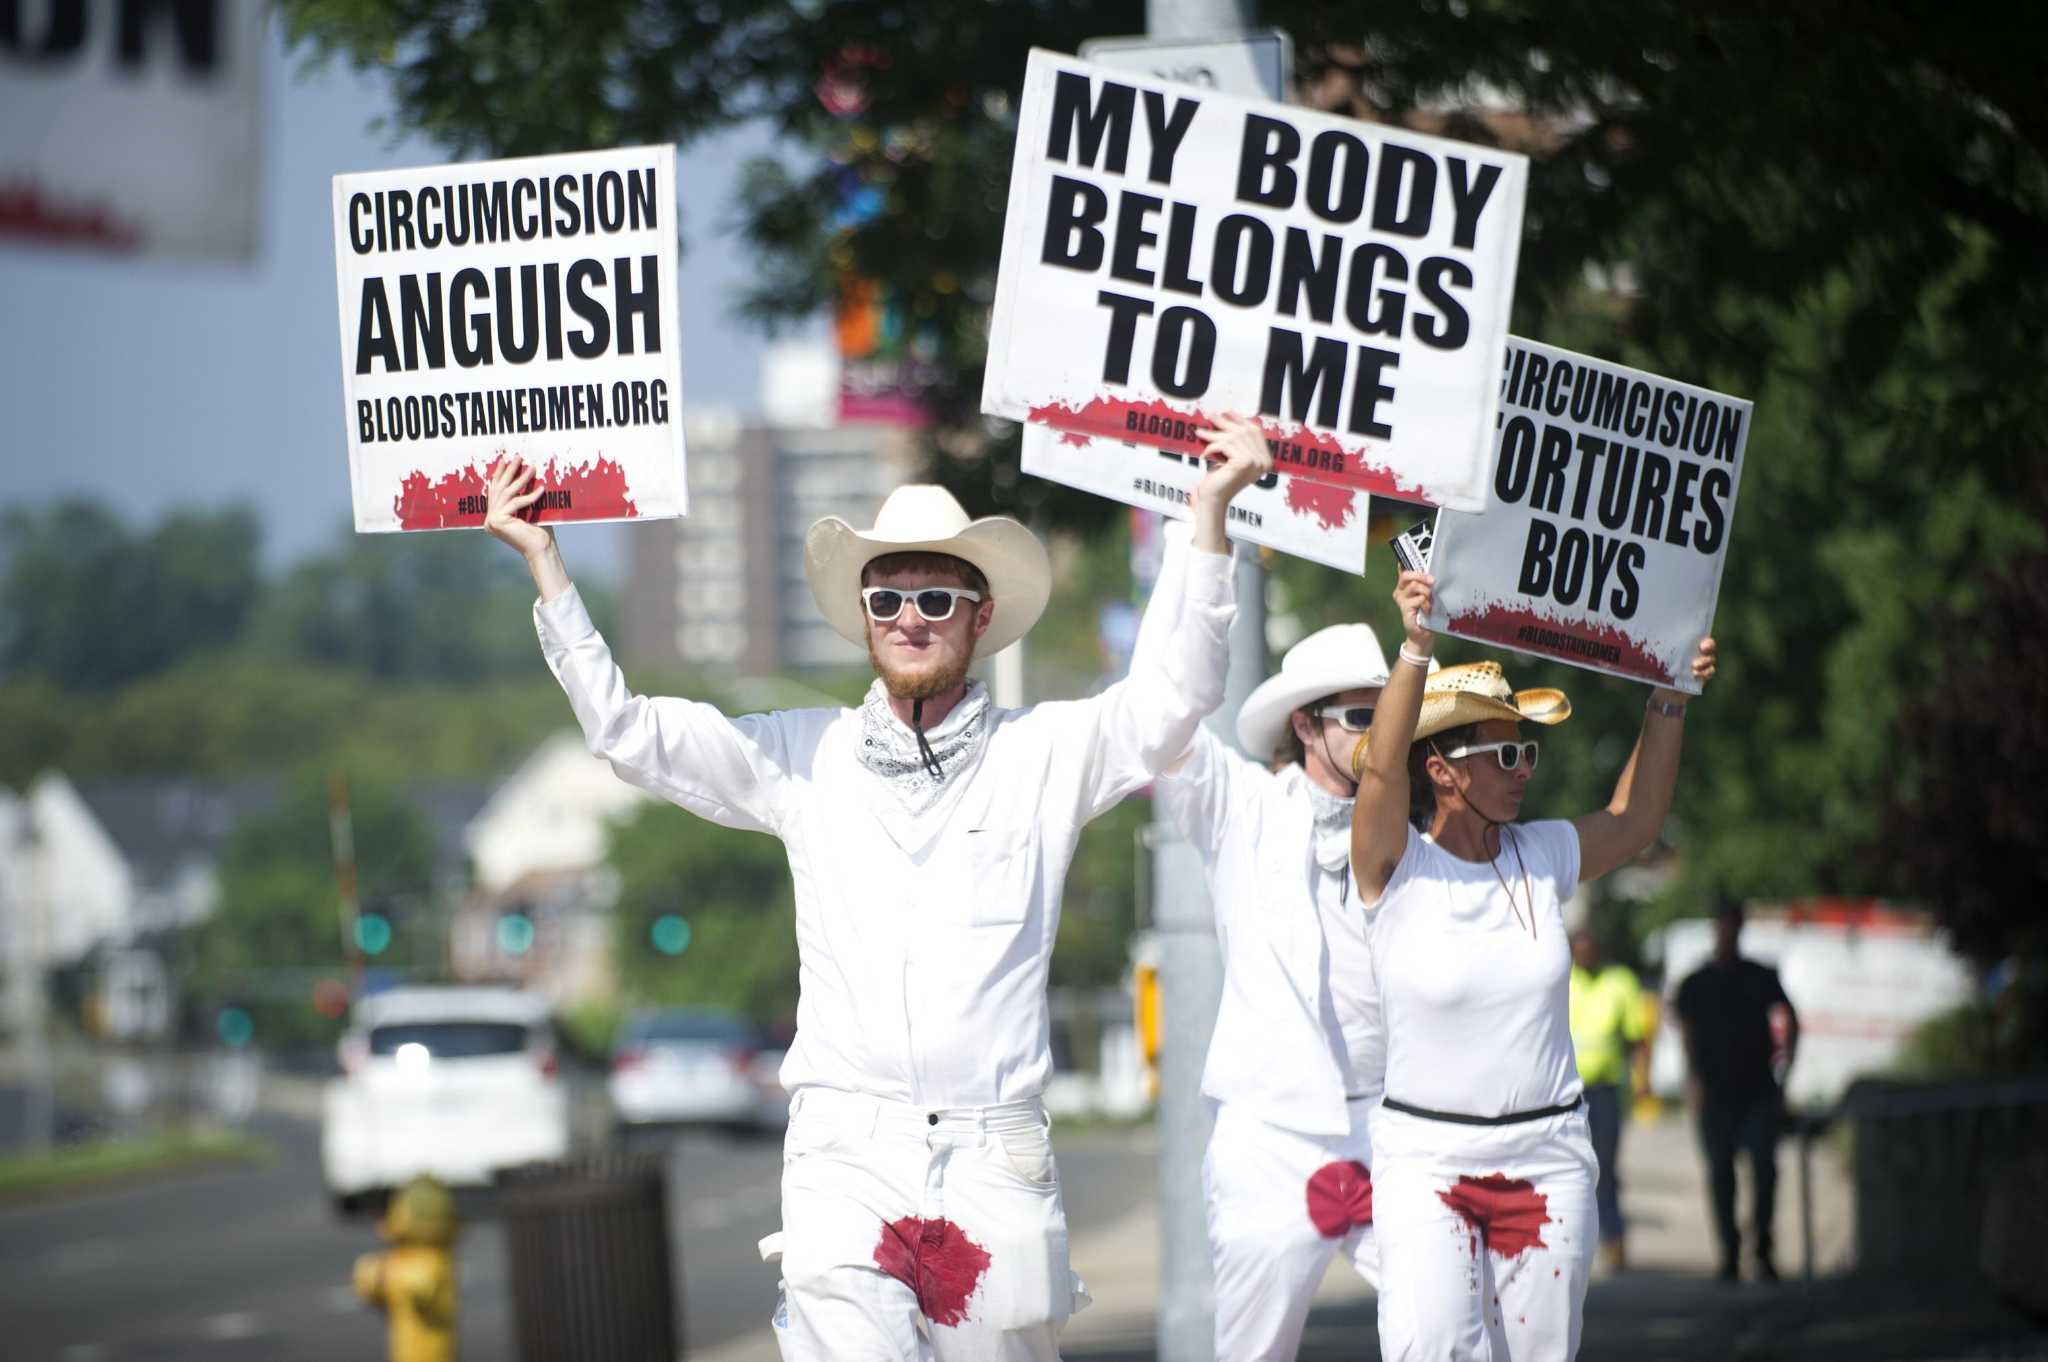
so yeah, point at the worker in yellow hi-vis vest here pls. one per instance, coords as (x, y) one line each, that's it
(1607, 1031)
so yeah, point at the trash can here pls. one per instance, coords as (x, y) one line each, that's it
(586, 1242)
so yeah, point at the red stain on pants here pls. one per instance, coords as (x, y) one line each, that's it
(937, 1261)
(1507, 1213)
(1339, 1198)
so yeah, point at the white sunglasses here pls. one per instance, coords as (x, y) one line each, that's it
(1509, 754)
(934, 603)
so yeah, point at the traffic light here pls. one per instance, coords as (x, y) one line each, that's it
(515, 933)
(670, 934)
(235, 1027)
(373, 933)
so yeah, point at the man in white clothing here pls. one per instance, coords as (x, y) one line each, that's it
(928, 835)
(1296, 1061)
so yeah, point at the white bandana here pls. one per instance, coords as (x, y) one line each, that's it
(1333, 827)
(889, 749)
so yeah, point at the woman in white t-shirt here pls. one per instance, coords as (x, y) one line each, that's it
(1484, 1173)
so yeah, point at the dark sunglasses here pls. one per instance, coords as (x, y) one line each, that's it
(934, 603)
(1350, 718)
(1509, 754)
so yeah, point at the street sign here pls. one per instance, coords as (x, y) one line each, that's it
(1257, 65)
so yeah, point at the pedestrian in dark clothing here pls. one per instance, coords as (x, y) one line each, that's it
(1725, 1008)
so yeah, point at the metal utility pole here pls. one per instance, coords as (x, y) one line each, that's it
(342, 838)
(1190, 965)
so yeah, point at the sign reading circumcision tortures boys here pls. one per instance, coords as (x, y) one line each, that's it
(1289, 514)
(1173, 253)
(1606, 522)
(521, 309)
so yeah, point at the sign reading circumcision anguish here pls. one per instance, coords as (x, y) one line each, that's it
(1172, 253)
(1606, 521)
(521, 309)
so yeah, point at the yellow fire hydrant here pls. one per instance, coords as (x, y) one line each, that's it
(413, 1281)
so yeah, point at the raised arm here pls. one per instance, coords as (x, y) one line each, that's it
(1611, 837)
(508, 499)
(1379, 820)
(731, 771)
(1145, 722)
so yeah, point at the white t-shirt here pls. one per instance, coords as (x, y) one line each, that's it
(1476, 1008)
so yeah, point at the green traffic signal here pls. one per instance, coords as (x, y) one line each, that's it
(515, 933)
(670, 934)
(373, 933)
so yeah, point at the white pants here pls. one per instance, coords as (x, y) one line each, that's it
(1486, 1237)
(1282, 1204)
(914, 1234)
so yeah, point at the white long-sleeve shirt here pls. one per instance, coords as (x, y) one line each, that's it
(1299, 1028)
(923, 940)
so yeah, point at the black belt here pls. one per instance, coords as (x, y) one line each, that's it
(1512, 1118)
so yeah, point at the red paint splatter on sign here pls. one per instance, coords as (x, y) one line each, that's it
(589, 491)
(1331, 505)
(1571, 640)
(1297, 450)
(1075, 438)
(25, 211)
(1508, 1213)
(1339, 1197)
(937, 1261)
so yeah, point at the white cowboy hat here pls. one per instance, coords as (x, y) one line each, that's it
(1339, 658)
(922, 518)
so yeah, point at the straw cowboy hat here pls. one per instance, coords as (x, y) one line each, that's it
(1473, 692)
(921, 518)
(1342, 657)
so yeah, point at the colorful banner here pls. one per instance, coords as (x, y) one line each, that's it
(519, 309)
(1293, 515)
(1606, 522)
(1172, 253)
(886, 364)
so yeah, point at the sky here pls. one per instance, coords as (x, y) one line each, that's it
(151, 383)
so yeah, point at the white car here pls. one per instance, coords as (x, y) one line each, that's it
(454, 1081)
(695, 1067)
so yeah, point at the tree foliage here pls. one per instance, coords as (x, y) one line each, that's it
(279, 910)
(87, 605)
(733, 891)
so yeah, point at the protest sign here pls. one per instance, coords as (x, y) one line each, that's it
(1606, 522)
(520, 309)
(1171, 253)
(1293, 515)
(133, 127)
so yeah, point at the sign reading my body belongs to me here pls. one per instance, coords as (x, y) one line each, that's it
(1170, 254)
(511, 309)
(1606, 523)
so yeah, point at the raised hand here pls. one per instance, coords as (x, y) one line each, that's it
(1237, 447)
(1413, 593)
(513, 488)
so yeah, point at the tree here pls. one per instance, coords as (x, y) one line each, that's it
(731, 890)
(87, 605)
(278, 914)
(414, 607)
(1967, 830)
